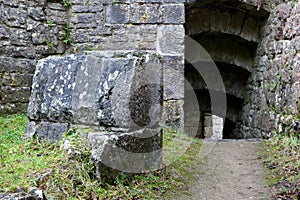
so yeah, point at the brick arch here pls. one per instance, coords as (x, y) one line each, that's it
(230, 31)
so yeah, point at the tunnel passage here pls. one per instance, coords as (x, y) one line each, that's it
(230, 32)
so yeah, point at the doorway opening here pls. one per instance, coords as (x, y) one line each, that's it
(230, 31)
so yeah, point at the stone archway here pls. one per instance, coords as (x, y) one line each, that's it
(230, 31)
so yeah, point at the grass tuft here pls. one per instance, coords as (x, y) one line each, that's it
(48, 167)
(282, 157)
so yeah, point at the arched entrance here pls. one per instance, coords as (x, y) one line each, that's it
(230, 32)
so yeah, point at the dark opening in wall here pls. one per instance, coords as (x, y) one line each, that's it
(230, 32)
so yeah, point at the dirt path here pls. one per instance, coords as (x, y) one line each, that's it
(230, 171)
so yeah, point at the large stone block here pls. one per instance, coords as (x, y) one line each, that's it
(145, 13)
(117, 14)
(118, 91)
(173, 77)
(173, 13)
(132, 152)
(98, 88)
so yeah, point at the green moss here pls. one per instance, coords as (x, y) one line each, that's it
(88, 48)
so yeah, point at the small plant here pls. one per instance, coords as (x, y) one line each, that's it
(293, 3)
(66, 3)
(50, 23)
(48, 43)
(294, 52)
(67, 37)
(272, 86)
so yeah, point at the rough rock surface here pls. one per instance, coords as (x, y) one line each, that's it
(98, 88)
(51, 132)
(131, 152)
(31, 30)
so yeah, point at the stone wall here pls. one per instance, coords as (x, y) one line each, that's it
(155, 25)
(277, 70)
(31, 30)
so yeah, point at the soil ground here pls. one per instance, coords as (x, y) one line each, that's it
(227, 170)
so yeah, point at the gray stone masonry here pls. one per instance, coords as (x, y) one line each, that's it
(32, 30)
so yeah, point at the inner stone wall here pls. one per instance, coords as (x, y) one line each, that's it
(272, 91)
(230, 32)
(277, 71)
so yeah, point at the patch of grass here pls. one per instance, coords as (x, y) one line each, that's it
(47, 166)
(22, 162)
(282, 158)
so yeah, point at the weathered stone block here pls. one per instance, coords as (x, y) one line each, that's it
(173, 114)
(84, 18)
(145, 13)
(214, 19)
(4, 32)
(98, 88)
(32, 194)
(132, 100)
(171, 39)
(51, 132)
(173, 77)
(249, 28)
(225, 20)
(12, 95)
(236, 23)
(173, 13)
(132, 152)
(56, 16)
(19, 37)
(24, 52)
(117, 14)
(36, 13)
